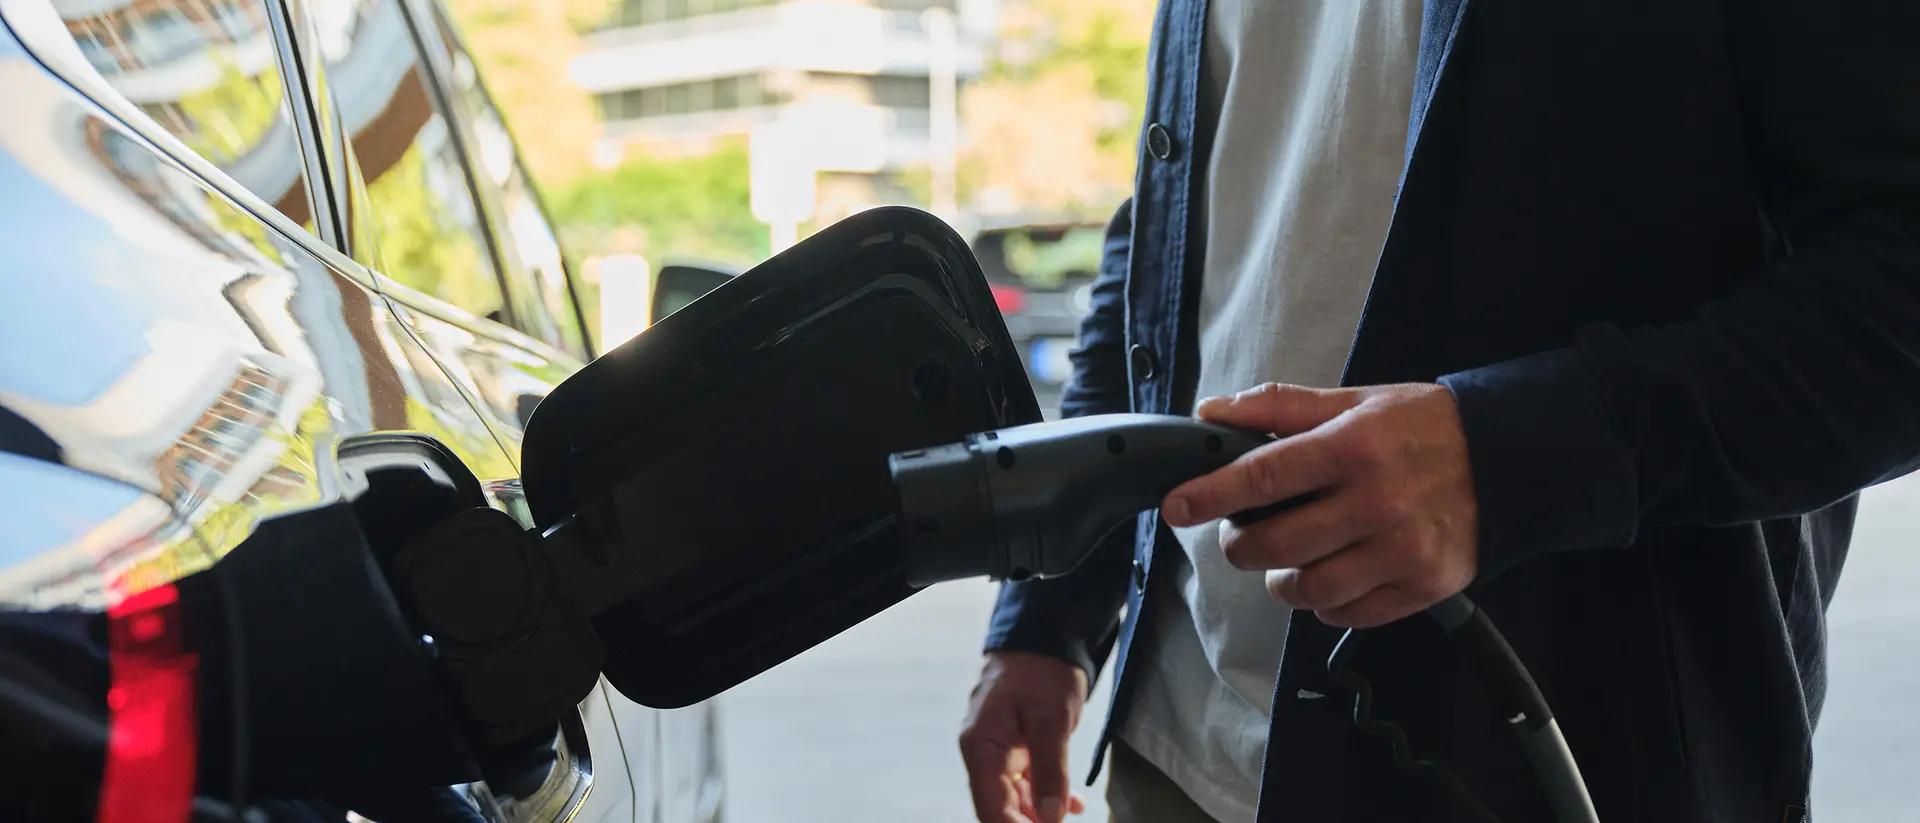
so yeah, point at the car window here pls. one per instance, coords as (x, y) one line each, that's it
(421, 215)
(207, 72)
(526, 235)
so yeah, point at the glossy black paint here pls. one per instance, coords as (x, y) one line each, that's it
(193, 323)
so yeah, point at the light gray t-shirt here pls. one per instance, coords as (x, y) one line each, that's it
(1311, 99)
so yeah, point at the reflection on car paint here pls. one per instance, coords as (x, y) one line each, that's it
(86, 525)
(217, 361)
(207, 73)
(425, 230)
(508, 381)
(180, 370)
(530, 248)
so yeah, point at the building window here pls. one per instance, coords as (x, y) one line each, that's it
(698, 97)
(726, 93)
(653, 102)
(914, 5)
(896, 91)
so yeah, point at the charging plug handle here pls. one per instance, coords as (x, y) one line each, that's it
(1035, 500)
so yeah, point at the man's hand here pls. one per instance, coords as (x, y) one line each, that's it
(1393, 527)
(1015, 739)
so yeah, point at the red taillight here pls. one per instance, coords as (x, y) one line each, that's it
(1010, 299)
(151, 744)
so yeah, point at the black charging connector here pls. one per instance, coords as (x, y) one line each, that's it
(1036, 499)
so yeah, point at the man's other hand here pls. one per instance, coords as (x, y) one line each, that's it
(1015, 739)
(1393, 524)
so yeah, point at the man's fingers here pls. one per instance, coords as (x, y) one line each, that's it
(1300, 536)
(1379, 607)
(1047, 743)
(1277, 407)
(1024, 788)
(1278, 471)
(991, 778)
(995, 800)
(1335, 581)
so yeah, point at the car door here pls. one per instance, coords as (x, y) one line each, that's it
(683, 765)
(408, 208)
(197, 347)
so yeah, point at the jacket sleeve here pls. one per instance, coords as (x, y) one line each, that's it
(1076, 617)
(1799, 387)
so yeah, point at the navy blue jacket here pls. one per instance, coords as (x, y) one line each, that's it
(1666, 254)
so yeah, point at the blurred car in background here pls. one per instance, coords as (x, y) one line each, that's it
(1042, 276)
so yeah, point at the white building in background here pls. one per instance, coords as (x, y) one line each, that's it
(674, 76)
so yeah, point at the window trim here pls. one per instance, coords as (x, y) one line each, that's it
(492, 211)
(458, 137)
(298, 87)
(434, 73)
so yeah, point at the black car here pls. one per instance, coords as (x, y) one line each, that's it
(241, 237)
(1042, 277)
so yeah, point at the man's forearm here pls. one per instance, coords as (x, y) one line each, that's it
(1797, 388)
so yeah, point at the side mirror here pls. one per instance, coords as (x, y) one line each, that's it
(677, 285)
(722, 478)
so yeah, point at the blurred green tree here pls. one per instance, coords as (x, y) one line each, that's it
(688, 208)
(525, 48)
(1051, 128)
(422, 242)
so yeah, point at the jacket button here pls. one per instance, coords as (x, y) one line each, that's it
(1159, 141)
(1139, 576)
(1144, 363)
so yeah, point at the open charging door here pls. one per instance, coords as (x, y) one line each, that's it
(732, 459)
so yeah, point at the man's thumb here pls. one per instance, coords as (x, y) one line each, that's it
(1279, 408)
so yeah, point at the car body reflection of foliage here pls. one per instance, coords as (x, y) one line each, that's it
(420, 245)
(230, 116)
(229, 119)
(483, 456)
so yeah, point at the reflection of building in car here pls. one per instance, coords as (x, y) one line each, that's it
(186, 63)
(198, 333)
(155, 32)
(204, 425)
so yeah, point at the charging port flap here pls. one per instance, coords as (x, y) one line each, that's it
(724, 473)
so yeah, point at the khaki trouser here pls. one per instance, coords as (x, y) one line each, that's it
(1138, 792)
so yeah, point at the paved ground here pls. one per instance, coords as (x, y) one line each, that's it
(862, 728)
(1867, 750)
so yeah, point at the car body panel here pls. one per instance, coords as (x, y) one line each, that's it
(191, 356)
